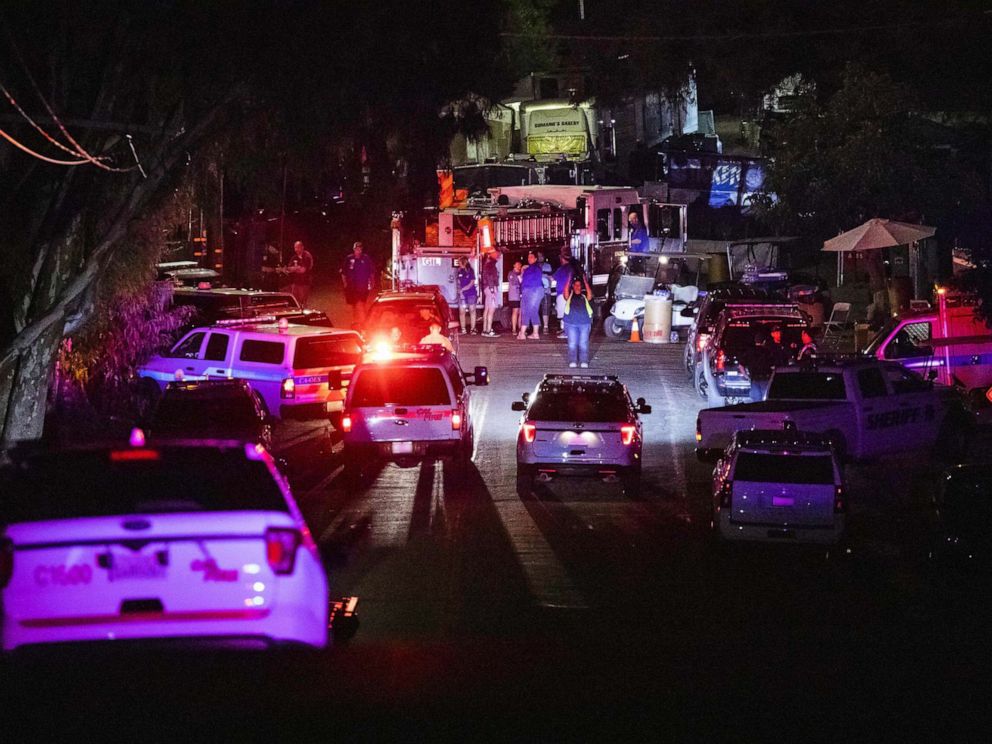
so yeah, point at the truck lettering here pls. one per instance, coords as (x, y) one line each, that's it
(893, 418)
(62, 575)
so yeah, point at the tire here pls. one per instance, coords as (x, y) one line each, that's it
(612, 327)
(701, 385)
(525, 479)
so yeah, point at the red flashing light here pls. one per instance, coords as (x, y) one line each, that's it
(530, 431)
(456, 420)
(346, 423)
(627, 432)
(280, 548)
(726, 493)
(133, 455)
(701, 340)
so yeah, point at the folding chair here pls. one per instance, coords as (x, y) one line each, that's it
(839, 318)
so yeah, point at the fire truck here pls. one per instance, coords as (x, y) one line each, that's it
(589, 223)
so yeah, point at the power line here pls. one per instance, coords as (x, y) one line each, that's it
(33, 123)
(38, 155)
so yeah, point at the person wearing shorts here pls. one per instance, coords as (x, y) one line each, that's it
(513, 294)
(491, 294)
(357, 274)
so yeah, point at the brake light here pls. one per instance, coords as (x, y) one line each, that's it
(627, 432)
(456, 419)
(699, 430)
(726, 491)
(840, 500)
(280, 548)
(346, 423)
(721, 360)
(6, 561)
(701, 340)
(530, 431)
(133, 455)
(288, 388)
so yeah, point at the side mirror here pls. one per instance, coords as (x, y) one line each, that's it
(334, 379)
(689, 312)
(518, 405)
(481, 376)
(525, 397)
(644, 408)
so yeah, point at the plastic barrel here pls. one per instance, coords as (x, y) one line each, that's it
(657, 319)
(717, 269)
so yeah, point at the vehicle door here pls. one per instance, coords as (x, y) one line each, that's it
(917, 422)
(187, 356)
(402, 405)
(262, 362)
(216, 355)
(878, 413)
(912, 346)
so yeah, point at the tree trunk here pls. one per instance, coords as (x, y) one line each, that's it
(24, 385)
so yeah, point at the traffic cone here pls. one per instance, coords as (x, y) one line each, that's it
(635, 332)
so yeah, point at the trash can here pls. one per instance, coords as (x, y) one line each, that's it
(657, 318)
(717, 269)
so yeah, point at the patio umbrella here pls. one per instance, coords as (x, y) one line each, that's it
(874, 234)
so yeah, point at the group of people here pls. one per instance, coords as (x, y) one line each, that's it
(295, 276)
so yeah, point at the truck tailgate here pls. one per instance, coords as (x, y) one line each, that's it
(715, 426)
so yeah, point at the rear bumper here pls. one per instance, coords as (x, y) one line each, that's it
(578, 470)
(290, 623)
(383, 451)
(306, 411)
(738, 532)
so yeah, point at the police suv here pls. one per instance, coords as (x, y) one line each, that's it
(408, 405)
(580, 425)
(299, 371)
(779, 485)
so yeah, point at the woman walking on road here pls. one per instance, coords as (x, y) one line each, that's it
(578, 320)
(531, 295)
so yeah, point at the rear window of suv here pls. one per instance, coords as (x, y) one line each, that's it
(572, 405)
(801, 469)
(327, 351)
(401, 386)
(263, 352)
(187, 480)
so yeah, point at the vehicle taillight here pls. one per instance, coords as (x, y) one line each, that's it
(346, 423)
(530, 431)
(288, 388)
(699, 430)
(721, 360)
(726, 491)
(6, 561)
(840, 500)
(627, 432)
(701, 340)
(280, 548)
(456, 419)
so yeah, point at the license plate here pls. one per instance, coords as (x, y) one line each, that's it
(402, 448)
(138, 566)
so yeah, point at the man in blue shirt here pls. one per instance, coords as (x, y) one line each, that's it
(357, 275)
(531, 295)
(563, 278)
(468, 294)
(638, 235)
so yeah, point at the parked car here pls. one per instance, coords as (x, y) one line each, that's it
(298, 371)
(213, 304)
(779, 486)
(413, 405)
(410, 311)
(580, 425)
(176, 541)
(212, 409)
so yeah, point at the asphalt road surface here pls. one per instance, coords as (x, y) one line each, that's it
(572, 611)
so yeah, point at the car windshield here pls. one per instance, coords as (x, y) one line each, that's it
(773, 468)
(152, 481)
(189, 414)
(883, 333)
(327, 351)
(573, 405)
(400, 386)
(389, 314)
(807, 386)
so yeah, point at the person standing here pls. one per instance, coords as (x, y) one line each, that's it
(531, 296)
(468, 295)
(513, 294)
(546, 272)
(809, 346)
(563, 278)
(491, 293)
(357, 275)
(300, 269)
(637, 234)
(577, 320)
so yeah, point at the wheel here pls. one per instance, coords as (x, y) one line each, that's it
(613, 328)
(462, 459)
(525, 479)
(701, 385)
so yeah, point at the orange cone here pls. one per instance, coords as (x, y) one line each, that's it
(635, 332)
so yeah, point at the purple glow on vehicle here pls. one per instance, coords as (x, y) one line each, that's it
(137, 438)
(254, 451)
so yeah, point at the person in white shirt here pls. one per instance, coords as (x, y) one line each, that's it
(435, 337)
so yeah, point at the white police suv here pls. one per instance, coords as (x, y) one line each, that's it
(580, 425)
(180, 541)
(299, 371)
(408, 405)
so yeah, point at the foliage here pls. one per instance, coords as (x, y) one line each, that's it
(865, 152)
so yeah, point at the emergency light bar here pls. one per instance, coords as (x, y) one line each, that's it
(245, 321)
(580, 378)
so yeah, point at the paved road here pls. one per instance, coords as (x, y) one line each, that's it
(575, 609)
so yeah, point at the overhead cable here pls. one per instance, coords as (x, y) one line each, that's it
(38, 155)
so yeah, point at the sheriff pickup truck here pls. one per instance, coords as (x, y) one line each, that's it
(866, 407)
